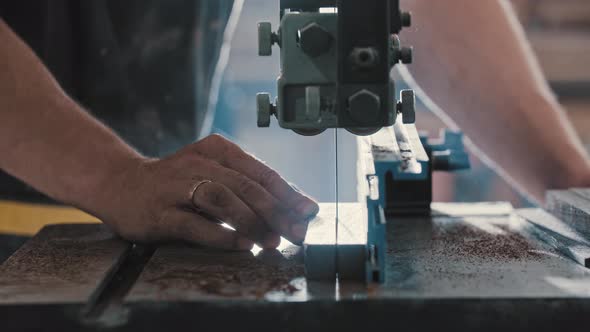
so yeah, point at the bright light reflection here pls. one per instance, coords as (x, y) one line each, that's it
(283, 245)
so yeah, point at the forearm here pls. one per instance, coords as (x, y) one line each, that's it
(46, 139)
(473, 61)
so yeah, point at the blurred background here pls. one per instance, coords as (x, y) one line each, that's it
(559, 31)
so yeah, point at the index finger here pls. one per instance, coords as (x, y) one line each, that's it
(232, 156)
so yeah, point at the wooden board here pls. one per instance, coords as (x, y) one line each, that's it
(485, 257)
(570, 207)
(182, 273)
(319, 245)
(472, 209)
(443, 257)
(557, 234)
(61, 264)
(585, 193)
(443, 268)
(352, 239)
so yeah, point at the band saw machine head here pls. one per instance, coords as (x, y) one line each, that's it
(336, 58)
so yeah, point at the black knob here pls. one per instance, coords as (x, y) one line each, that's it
(406, 55)
(407, 106)
(406, 19)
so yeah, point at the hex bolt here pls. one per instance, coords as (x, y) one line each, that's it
(314, 39)
(364, 107)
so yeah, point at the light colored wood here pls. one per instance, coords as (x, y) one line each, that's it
(351, 256)
(429, 258)
(557, 234)
(571, 208)
(472, 209)
(319, 246)
(585, 193)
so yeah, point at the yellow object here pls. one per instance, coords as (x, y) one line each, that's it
(28, 219)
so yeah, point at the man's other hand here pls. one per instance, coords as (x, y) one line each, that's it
(186, 195)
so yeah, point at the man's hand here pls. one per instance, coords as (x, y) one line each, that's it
(157, 200)
(48, 141)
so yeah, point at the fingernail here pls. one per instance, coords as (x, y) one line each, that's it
(308, 209)
(299, 231)
(245, 244)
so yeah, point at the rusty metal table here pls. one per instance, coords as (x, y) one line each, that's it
(467, 266)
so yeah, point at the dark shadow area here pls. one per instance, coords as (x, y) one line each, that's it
(9, 244)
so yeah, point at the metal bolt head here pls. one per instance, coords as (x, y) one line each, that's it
(314, 40)
(406, 19)
(364, 107)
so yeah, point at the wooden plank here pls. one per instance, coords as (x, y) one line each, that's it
(196, 274)
(483, 257)
(585, 193)
(319, 246)
(61, 264)
(352, 239)
(557, 234)
(429, 258)
(452, 266)
(571, 208)
(472, 209)
(183, 273)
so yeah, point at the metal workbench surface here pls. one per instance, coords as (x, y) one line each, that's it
(468, 266)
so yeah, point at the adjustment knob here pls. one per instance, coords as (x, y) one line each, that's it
(406, 19)
(266, 38)
(401, 54)
(407, 106)
(264, 109)
(406, 55)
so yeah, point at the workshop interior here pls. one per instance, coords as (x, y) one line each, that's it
(416, 227)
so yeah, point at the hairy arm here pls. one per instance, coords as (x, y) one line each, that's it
(46, 139)
(474, 62)
(50, 142)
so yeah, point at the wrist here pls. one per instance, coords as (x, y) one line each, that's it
(106, 189)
